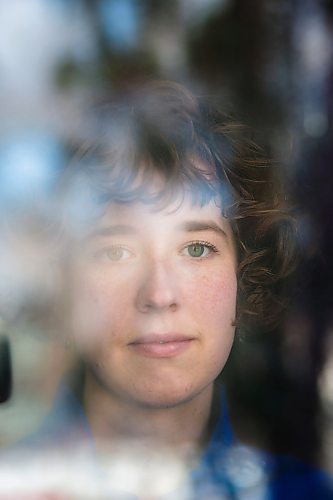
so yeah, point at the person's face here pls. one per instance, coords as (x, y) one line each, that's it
(152, 301)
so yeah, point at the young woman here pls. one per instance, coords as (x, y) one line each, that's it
(174, 237)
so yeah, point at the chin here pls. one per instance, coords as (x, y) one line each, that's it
(163, 399)
(161, 402)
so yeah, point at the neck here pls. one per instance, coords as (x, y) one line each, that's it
(113, 420)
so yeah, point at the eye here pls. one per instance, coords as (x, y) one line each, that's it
(115, 253)
(199, 249)
(196, 250)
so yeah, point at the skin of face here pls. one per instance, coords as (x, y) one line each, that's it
(144, 278)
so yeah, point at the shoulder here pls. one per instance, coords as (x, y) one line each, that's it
(293, 479)
(64, 424)
(241, 471)
(236, 469)
(48, 459)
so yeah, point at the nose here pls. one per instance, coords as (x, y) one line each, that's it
(158, 290)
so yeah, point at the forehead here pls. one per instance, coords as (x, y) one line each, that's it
(179, 215)
(142, 201)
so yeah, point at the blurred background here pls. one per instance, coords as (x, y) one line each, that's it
(268, 62)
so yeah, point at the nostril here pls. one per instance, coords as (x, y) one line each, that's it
(151, 306)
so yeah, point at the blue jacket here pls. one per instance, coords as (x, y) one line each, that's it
(227, 469)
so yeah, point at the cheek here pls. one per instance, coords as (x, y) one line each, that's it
(214, 297)
(214, 312)
(95, 309)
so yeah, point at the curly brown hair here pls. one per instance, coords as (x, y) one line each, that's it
(162, 129)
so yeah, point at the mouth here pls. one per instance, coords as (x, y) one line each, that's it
(166, 345)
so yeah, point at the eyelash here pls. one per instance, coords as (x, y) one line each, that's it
(212, 248)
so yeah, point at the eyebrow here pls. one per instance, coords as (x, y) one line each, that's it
(190, 226)
(117, 229)
(195, 226)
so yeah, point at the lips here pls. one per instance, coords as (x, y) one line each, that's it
(164, 345)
